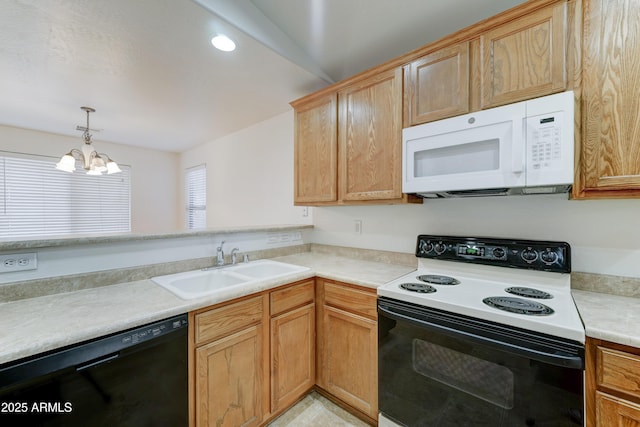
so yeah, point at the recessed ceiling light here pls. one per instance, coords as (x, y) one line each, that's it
(223, 43)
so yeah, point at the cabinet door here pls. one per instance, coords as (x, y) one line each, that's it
(350, 359)
(610, 152)
(370, 138)
(315, 151)
(524, 58)
(613, 412)
(229, 380)
(437, 85)
(292, 356)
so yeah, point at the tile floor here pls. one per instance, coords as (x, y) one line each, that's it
(316, 411)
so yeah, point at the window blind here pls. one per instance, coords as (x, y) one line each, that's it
(39, 200)
(196, 197)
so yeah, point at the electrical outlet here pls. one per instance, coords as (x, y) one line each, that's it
(358, 226)
(18, 262)
(273, 238)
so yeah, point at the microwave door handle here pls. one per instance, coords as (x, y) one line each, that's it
(517, 148)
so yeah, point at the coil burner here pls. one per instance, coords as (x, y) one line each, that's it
(421, 288)
(529, 293)
(436, 279)
(518, 305)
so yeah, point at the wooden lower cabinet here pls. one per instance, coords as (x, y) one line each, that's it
(347, 345)
(614, 412)
(229, 380)
(251, 359)
(228, 363)
(293, 349)
(612, 385)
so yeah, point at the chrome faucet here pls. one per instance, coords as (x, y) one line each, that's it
(233, 255)
(220, 255)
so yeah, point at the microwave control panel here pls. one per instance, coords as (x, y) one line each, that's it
(545, 141)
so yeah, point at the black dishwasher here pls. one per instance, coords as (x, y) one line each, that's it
(138, 377)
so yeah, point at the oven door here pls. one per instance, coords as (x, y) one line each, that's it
(441, 369)
(482, 150)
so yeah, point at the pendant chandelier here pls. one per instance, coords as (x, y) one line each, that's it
(93, 162)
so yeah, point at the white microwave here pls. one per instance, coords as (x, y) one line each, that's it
(521, 148)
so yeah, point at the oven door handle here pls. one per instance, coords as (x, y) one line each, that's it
(558, 359)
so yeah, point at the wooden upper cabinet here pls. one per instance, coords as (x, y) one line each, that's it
(609, 162)
(524, 58)
(370, 138)
(437, 85)
(316, 151)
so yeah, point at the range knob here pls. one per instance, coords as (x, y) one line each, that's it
(426, 247)
(498, 253)
(529, 255)
(440, 247)
(548, 256)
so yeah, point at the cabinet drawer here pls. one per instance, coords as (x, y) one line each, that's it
(611, 411)
(291, 297)
(222, 321)
(618, 370)
(351, 299)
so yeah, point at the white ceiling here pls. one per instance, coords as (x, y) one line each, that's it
(149, 70)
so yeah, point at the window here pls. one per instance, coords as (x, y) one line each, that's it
(196, 197)
(39, 200)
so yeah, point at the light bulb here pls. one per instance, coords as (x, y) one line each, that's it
(223, 43)
(112, 167)
(67, 163)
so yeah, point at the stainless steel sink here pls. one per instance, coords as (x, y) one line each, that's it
(199, 283)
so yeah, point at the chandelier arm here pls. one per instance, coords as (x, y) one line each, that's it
(75, 152)
(104, 155)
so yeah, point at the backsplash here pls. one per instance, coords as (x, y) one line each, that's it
(70, 283)
(606, 284)
(615, 285)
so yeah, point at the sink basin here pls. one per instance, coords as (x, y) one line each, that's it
(266, 269)
(198, 283)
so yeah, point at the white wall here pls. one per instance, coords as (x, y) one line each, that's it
(604, 234)
(250, 175)
(154, 174)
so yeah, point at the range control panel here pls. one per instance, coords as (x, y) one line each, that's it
(526, 254)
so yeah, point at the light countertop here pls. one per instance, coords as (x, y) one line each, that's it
(35, 325)
(75, 239)
(609, 317)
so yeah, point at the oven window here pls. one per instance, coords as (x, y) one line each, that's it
(427, 378)
(475, 156)
(480, 378)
